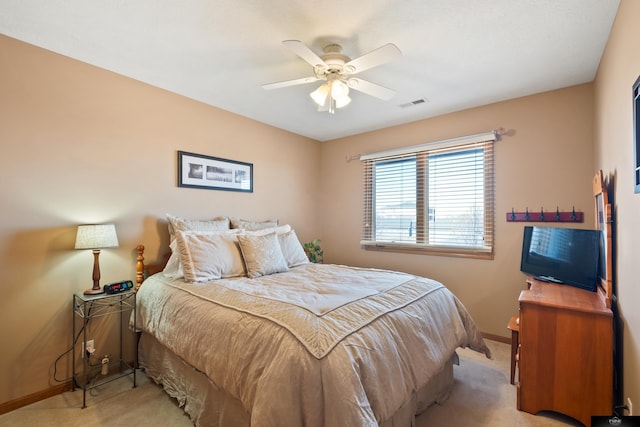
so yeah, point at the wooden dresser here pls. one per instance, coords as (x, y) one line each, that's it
(565, 351)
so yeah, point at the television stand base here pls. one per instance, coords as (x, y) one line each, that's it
(548, 279)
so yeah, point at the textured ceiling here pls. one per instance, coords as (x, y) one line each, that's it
(456, 54)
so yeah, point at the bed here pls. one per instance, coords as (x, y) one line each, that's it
(243, 331)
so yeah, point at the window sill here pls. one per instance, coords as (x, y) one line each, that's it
(448, 252)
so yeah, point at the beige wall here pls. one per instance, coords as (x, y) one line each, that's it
(547, 162)
(82, 145)
(619, 68)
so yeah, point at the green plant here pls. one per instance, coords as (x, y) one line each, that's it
(314, 251)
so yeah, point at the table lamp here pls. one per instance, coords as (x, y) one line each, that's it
(96, 237)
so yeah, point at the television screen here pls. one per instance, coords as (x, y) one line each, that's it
(562, 255)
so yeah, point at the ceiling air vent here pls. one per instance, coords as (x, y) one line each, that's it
(414, 103)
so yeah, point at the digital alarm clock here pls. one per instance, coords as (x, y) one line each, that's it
(114, 288)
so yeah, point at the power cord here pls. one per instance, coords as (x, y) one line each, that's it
(623, 407)
(55, 364)
(104, 371)
(75, 341)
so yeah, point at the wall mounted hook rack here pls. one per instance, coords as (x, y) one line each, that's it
(548, 216)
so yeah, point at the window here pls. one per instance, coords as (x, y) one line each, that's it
(433, 198)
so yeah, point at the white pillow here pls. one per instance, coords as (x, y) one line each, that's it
(292, 249)
(262, 254)
(278, 230)
(209, 255)
(253, 225)
(173, 269)
(182, 224)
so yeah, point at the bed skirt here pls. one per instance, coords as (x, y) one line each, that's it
(207, 405)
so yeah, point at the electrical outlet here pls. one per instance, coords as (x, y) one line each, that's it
(630, 406)
(88, 347)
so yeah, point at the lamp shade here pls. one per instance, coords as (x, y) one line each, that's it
(320, 95)
(341, 102)
(96, 236)
(339, 89)
(333, 94)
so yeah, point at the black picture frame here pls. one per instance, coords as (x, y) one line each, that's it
(214, 173)
(636, 134)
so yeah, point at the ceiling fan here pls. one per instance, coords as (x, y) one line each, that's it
(337, 69)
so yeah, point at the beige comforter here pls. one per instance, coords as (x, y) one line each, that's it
(319, 345)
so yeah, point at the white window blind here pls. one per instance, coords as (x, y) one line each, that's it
(435, 198)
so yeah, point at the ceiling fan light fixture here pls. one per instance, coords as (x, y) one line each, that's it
(339, 90)
(342, 102)
(331, 95)
(319, 95)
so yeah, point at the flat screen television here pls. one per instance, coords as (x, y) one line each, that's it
(562, 255)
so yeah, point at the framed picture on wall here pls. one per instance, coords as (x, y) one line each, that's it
(636, 134)
(214, 173)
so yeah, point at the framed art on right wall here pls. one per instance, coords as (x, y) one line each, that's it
(636, 134)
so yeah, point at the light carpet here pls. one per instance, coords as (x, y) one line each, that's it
(482, 396)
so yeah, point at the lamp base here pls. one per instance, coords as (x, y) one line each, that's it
(95, 289)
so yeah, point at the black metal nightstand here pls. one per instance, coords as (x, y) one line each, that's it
(87, 307)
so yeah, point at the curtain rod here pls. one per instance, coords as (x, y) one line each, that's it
(486, 136)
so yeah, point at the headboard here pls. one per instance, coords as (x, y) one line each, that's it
(603, 223)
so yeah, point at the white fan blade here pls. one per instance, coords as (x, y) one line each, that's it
(372, 89)
(372, 59)
(305, 53)
(286, 83)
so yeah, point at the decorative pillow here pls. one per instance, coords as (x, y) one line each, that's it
(253, 225)
(292, 249)
(181, 224)
(209, 255)
(262, 254)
